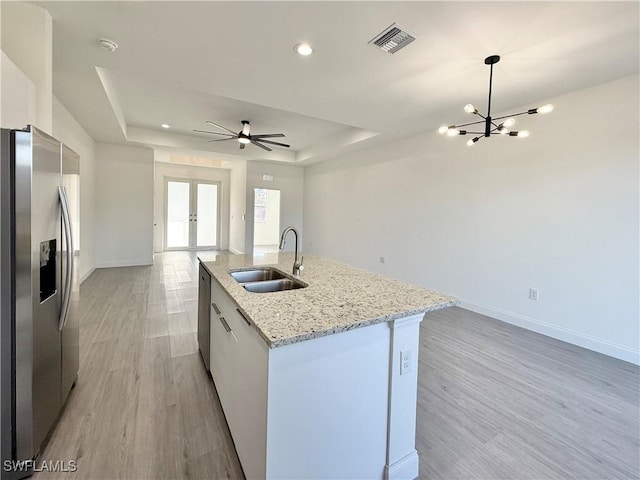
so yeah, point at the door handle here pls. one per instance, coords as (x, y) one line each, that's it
(66, 292)
(215, 307)
(228, 328)
(243, 316)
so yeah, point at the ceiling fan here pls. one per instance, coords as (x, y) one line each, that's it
(244, 136)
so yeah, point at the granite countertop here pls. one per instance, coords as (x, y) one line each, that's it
(338, 297)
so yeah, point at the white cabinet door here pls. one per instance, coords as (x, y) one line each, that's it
(239, 364)
(221, 352)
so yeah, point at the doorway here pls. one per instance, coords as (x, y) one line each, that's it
(192, 219)
(266, 220)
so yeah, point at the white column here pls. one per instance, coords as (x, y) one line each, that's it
(402, 457)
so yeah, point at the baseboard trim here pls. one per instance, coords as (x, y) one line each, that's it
(237, 252)
(86, 275)
(122, 263)
(407, 468)
(559, 333)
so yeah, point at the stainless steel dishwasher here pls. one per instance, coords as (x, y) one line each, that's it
(204, 314)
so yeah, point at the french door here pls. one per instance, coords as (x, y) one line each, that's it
(192, 214)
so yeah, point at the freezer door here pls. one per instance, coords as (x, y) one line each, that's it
(6, 294)
(71, 259)
(37, 288)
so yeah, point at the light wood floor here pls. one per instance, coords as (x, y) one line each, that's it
(495, 401)
(500, 402)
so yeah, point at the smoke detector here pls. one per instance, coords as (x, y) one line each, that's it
(108, 44)
(393, 38)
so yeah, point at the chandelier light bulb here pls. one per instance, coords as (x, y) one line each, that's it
(470, 108)
(244, 140)
(443, 129)
(503, 130)
(452, 132)
(523, 133)
(545, 108)
(509, 122)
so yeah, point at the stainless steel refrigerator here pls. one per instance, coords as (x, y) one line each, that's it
(39, 293)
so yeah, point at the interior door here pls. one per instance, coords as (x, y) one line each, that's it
(192, 215)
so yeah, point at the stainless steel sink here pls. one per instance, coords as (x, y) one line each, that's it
(256, 275)
(265, 280)
(268, 286)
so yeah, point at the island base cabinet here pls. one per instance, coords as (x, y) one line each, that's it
(337, 406)
(341, 406)
(239, 361)
(328, 404)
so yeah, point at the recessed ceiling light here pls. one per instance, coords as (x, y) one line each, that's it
(165, 125)
(303, 49)
(108, 44)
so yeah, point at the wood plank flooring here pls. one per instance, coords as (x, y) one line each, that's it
(499, 402)
(143, 406)
(495, 401)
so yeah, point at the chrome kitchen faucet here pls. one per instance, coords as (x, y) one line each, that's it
(297, 264)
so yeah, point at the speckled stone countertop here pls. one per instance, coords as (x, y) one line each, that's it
(338, 297)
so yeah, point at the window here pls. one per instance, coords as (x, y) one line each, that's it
(261, 204)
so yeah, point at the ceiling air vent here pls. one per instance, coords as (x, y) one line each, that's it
(393, 38)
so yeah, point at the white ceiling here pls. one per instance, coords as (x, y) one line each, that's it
(182, 63)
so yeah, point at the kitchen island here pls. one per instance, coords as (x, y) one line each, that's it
(320, 381)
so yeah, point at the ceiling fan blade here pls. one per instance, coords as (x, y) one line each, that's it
(242, 145)
(269, 135)
(220, 126)
(221, 139)
(215, 133)
(273, 143)
(260, 145)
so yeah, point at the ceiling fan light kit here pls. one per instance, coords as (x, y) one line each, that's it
(244, 136)
(492, 126)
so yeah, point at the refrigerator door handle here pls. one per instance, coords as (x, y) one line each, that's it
(66, 221)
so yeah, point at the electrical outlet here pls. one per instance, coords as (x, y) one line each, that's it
(405, 362)
(534, 294)
(381, 259)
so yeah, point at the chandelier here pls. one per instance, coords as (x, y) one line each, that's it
(492, 126)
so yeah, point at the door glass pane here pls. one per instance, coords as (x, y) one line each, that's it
(177, 214)
(207, 230)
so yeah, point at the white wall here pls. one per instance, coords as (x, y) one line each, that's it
(68, 130)
(18, 109)
(17, 96)
(188, 172)
(268, 233)
(557, 211)
(237, 206)
(290, 181)
(124, 206)
(27, 39)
